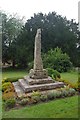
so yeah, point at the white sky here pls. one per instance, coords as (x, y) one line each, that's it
(27, 8)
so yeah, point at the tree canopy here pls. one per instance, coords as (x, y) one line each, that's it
(11, 27)
(57, 31)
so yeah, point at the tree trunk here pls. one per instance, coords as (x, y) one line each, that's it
(13, 63)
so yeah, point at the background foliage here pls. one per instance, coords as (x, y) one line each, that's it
(57, 31)
(57, 60)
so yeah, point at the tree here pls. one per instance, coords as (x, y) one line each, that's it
(11, 27)
(56, 32)
(24, 48)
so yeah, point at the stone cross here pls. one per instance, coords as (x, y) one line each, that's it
(38, 65)
(38, 72)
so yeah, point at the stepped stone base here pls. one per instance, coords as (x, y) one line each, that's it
(29, 88)
(18, 90)
(28, 85)
(32, 81)
(37, 74)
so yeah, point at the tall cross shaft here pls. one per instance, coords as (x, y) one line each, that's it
(38, 72)
(38, 65)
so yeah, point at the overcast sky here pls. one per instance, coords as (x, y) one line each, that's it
(27, 8)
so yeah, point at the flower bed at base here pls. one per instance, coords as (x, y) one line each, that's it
(36, 97)
(10, 97)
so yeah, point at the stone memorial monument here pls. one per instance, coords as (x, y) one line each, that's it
(38, 78)
(38, 71)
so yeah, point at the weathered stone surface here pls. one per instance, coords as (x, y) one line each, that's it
(38, 74)
(20, 92)
(18, 89)
(38, 65)
(28, 88)
(31, 81)
(38, 71)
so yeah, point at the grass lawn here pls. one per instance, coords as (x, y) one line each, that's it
(9, 73)
(61, 108)
(0, 105)
(70, 76)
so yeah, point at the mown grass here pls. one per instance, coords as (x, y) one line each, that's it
(0, 105)
(10, 73)
(61, 108)
(70, 76)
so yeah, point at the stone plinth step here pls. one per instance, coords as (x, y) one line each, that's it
(18, 89)
(31, 81)
(23, 83)
(28, 88)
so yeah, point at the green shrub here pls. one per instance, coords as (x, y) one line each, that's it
(43, 97)
(10, 103)
(58, 94)
(6, 96)
(56, 74)
(54, 94)
(30, 65)
(64, 93)
(68, 91)
(35, 99)
(36, 93)
(50, 96)
(53, 73)
(3, 81)
(6, 86)
(24, 101)
(72, 91)
(50, 71)
(57, 60)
